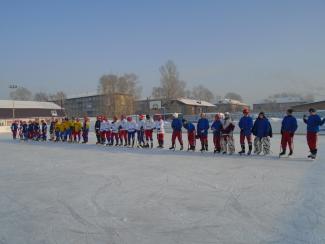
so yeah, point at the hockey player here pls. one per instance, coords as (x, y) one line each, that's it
(131, 130)
(202, 131)
(97, 128)
(25, 131)
(20, 130)
(123, 131)
(313, 122)
(191, 134)
(149, 126)
(58, 130)
(104, 128)
(43, 130)
(140, 131)
(160, 127)
(52, 130)
(115, 131)
(288, 129)
(177, 131)
(37, 131)
(216, 128)
(227, 135)
(14, 129)
(85, 129)
(77, 130)
(246, 126)
(262, 130)
(30, 130)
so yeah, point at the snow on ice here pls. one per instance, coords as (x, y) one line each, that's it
(68, 193)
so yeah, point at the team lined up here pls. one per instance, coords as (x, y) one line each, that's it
(128, 132)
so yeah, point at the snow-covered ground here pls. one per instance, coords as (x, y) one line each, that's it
(68, 193)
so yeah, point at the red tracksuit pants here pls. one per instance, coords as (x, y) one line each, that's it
(312, 140)
(178, 135)
(287, 139)
(191, 138)
(217, 142)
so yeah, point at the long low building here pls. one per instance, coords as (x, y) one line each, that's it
(10, 109)
(319, 105)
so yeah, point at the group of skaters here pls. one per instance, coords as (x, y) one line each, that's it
(128, 132)
(64, 130)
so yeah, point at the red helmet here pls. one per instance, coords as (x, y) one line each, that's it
(141, 116)
(245, 111)
(129, 119)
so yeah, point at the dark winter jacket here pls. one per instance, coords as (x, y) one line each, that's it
(216, 127)
(262, 128)
(97, 125)
(313, 122)
(52, 127)
(44, 128)
(203, 127)
(14, 127)
(189, 127)
(246, 125)
(177, 125)
(289, 124)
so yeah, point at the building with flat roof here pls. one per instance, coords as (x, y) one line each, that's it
(29, 109)
(230, 105)
(184, 106)
(319, 105)
(278, 104)
(94, 104)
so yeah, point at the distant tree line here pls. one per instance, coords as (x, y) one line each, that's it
(23, 94)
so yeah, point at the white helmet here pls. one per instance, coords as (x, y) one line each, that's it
(175, 115)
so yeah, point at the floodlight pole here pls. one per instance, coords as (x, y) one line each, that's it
(13, 87)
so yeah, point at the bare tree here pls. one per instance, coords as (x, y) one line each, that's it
(21, 93)
(171, 86)
(41, 97)
(59, 98)
(126, 84)
(202, 93)
(234, 96)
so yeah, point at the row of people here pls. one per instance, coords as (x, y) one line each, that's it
(128, 132)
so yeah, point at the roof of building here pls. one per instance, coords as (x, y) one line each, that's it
(86, 94)
(28, 105)
(194, 102)
(231, 101)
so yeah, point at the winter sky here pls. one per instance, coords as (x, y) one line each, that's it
(252, 47)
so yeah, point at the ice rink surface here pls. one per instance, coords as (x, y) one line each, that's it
(68, 193)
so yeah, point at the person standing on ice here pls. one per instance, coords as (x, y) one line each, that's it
(246, 126)
(228, 144)
(177, 131)
(85, 130)
(288, 129)
(104, 127)
(97, 128)
(191, 134)
(262, 130)
(202, 129)
(149, 126)
(52, 130)
(14, 129)
(160, 127)
(216, 128)
(140, 131)
(131, 130)
(43, 130)
(115, 131)
(77, 130)
(123, 131)
(313, 122)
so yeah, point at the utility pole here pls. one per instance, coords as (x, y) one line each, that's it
(13, 87)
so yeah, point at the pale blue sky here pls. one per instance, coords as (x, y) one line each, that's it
(253, 47)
